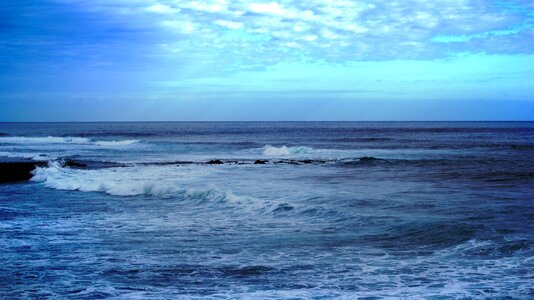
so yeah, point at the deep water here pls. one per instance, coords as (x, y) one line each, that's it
(333, 210)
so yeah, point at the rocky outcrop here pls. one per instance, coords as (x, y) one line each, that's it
(15, 171)
(69, 163)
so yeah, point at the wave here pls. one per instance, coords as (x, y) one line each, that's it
(26, 155)
(269, 150)
(304, 152)
(44, 140)
(23, 140)
(495, 248)
(131, 181)
(113, 181)
(361, 140)
(116, 143)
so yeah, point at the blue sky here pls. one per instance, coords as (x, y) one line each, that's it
(118, 60)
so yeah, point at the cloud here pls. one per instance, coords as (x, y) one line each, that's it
(162, 9)
(272, 8)
(229, 24)
(255, 33)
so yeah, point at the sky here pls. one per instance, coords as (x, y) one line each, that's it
(221, 60)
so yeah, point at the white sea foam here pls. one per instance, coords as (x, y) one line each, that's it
(308, 152)
(129, 181)
(269, 150)
(133, 181)
(23, 140)
(116, 143)
(340, 154)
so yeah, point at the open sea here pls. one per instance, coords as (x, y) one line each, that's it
(269, 210)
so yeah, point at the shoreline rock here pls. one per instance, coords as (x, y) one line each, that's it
(17, 171)
(69, 163)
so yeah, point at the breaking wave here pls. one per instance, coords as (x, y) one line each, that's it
(161, 181)
(302, 152)
(130, 181)
(269, 150)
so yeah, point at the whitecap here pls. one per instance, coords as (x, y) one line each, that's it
(116, 143)
(269, 150)
(123, 181)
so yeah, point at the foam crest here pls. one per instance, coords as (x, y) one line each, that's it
(116, 143)
(301, 152)
(269, 150)
(162, 181)
(129, 181)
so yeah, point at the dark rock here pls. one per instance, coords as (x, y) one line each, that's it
(368, 158)
(18, 171)
(307, 161)
(283, 207)
(214, 162)
(73, 164)
(260, 162)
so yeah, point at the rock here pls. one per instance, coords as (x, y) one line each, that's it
(260, 162)
(18, 171)
(368, 158)
(214, 162)
(283, 207)
(73, 164)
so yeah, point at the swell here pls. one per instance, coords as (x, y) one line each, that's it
(418, 235)
(24, 140)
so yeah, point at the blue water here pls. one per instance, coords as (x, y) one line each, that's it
(339, 210)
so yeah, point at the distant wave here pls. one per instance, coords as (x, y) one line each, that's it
(27, 155)
(115, 143)
(269, 150)
(304, 152)
(22, 140)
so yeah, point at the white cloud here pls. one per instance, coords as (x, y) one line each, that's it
(229, 24)
(206, 6)
(180, 25)
(272, 8)
(310, 38)
(162, 9)
(264, 32)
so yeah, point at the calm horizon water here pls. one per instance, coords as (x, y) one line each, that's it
(285, 210)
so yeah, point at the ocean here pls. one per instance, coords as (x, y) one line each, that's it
(269, 210)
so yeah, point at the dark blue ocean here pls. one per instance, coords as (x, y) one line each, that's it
(284, 210)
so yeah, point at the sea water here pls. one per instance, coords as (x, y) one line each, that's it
(300, 210)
